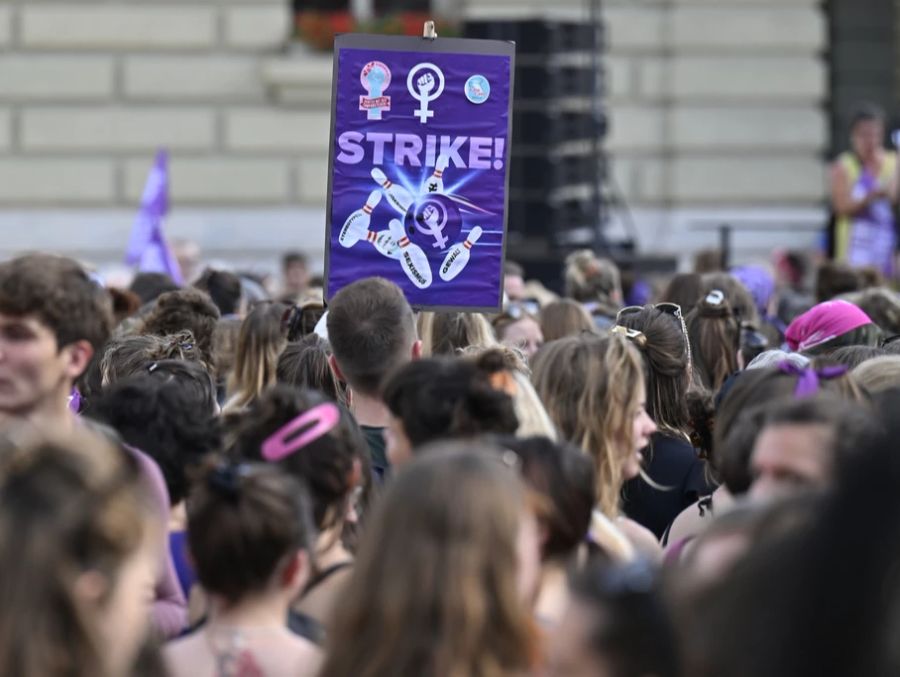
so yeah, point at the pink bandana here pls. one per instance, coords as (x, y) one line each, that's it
(824, 322)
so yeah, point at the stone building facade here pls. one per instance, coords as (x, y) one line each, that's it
(717, 111)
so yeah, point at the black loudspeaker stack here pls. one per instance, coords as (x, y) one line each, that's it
(558, 167)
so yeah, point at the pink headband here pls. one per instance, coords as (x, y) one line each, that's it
(283, 442)
(824, 322)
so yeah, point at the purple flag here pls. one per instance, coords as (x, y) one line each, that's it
(147, 248)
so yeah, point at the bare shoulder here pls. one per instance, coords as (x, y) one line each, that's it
(641, 538)
(689, 523)
(306, 658)
(184, 656)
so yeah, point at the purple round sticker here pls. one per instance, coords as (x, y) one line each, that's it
(434, 223)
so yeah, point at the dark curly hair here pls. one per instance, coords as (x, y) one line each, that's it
(167, 412)
(449, 397)
(326, 464)
(185, 309)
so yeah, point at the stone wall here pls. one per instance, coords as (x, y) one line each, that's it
(716, 105)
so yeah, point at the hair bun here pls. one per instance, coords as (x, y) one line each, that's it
(715, 305)
(225, 480)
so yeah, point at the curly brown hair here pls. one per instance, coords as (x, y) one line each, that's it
(189, 309)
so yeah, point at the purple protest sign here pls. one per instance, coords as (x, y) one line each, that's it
(418, 168)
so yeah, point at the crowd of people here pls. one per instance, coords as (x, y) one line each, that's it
(685, 477)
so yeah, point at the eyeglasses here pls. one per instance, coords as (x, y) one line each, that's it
(671, 309)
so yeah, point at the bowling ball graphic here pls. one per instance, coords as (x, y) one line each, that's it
(434, 223)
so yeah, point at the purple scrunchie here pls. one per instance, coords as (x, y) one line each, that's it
(808, 378)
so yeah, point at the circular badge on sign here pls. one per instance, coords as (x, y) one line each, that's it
(375, 75)
(434, 223)
(478, 89)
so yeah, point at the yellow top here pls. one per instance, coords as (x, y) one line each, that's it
(853, 168)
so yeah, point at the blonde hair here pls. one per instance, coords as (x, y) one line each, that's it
(533, 417)
(590, 388)
(260, 342)
(450, 333)
(878, 374)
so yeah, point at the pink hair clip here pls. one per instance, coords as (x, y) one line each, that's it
(318, 421)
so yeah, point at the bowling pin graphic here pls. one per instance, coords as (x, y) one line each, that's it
(357, 224)
(384, 243)
(435, 182)
(412, 259)
(459, 255)
(397, 195)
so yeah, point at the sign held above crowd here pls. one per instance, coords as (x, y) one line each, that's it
(418, 167)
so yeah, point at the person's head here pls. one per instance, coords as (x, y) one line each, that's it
(829, 326)
(799, 443)
(592, 279)
(372, 332)
(295, 271)
(667, 355)
(80, 555)
(740, 412)
(304, 316)
(223, 287)
(124, 304)
(310, 438)
(168, 412)
(867, 131)
(443, 397)
(879, 374)
(511, 373)
(773, 358)
(760, 282)
(53, 320)
(882, 305)
(513, 281)
(564, 318)
(250, 533)
(518, 328)
(834, 279)
(185, 309)
(453, 546)
(853, 356)
(150, 286)
(564, 477)
(742, 302)
(616, 625)
(594, 391)
(304, 364)
(684, 290)
(262, 337)
(715, 335)
(450, 333)
(124, 356)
